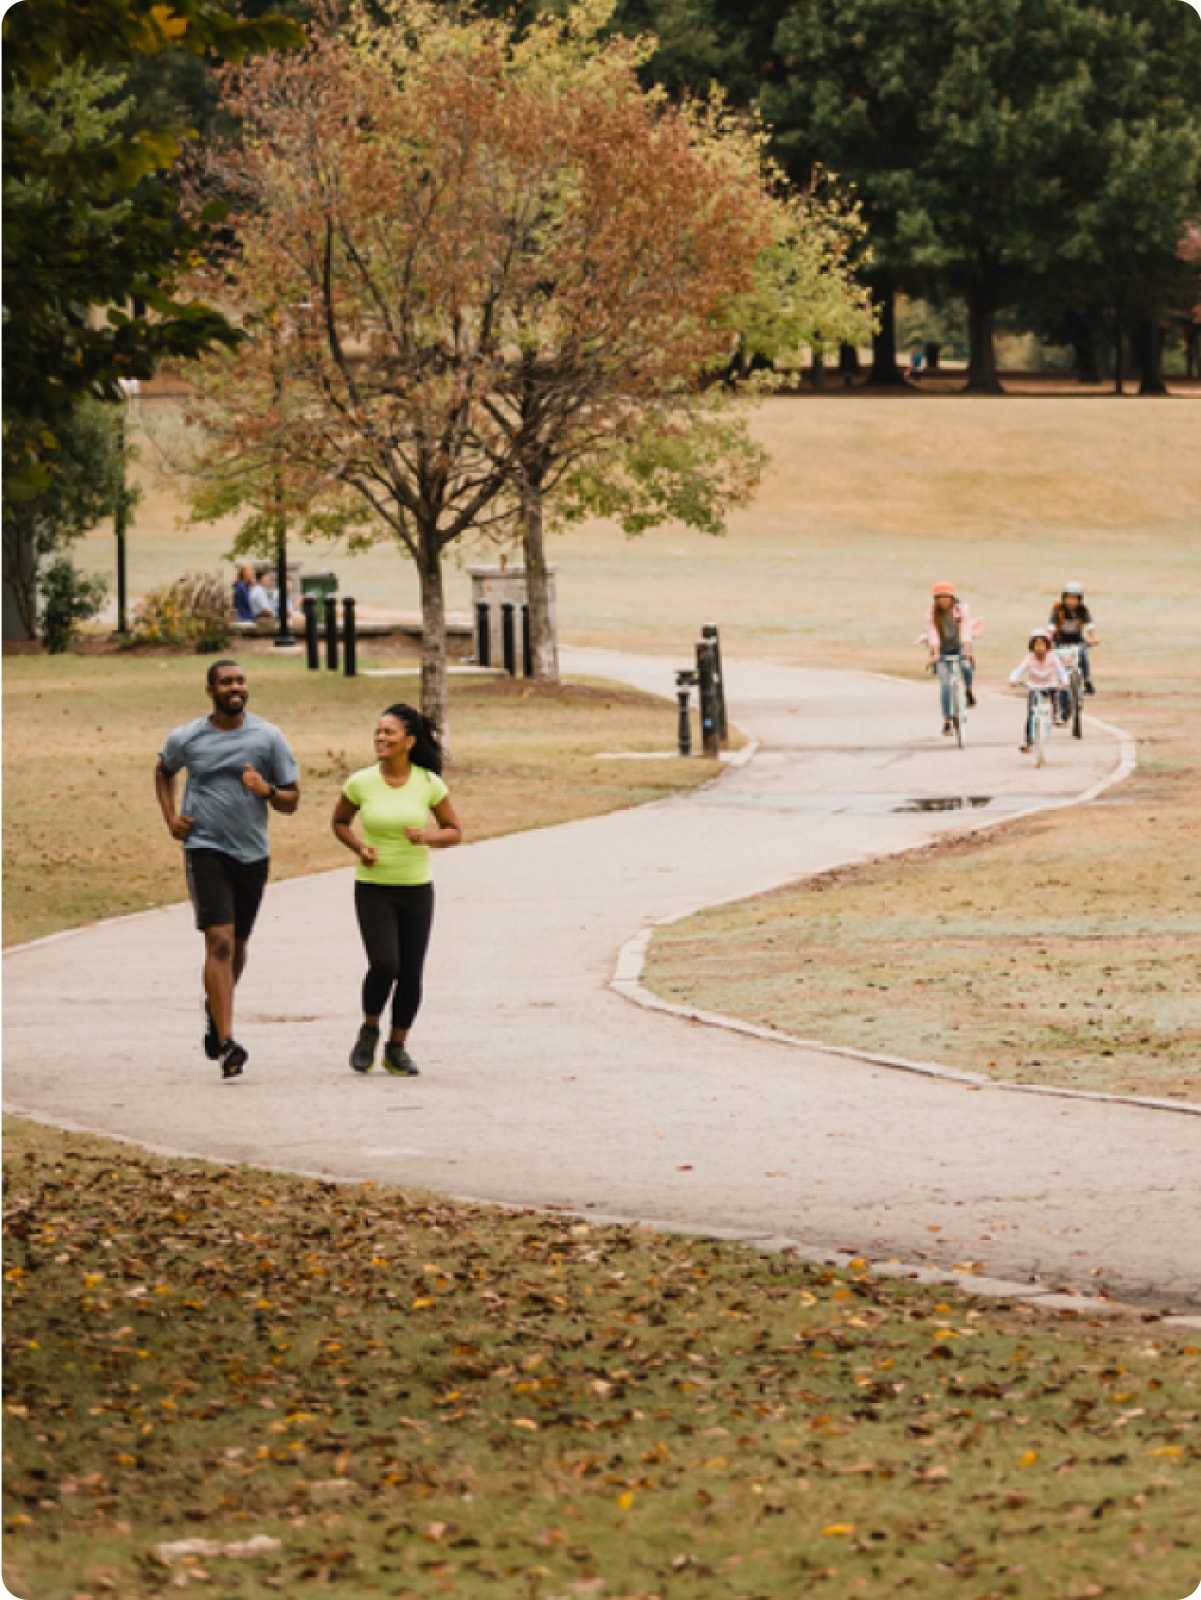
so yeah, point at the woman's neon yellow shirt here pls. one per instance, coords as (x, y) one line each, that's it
(385, 813)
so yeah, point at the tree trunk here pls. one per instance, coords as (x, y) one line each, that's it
(1151, 340)
(982, 376)
(816, 370)
(1192, 349)
(20, 587)
(885, 373)
(434, 697)
(1088, 363)
(544, 652)
(1119, 358)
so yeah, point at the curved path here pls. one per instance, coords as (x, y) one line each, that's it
(542, 1086)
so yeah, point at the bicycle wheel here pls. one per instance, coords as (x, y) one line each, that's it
(1077, 704)
(1041, 719)
(959, 711)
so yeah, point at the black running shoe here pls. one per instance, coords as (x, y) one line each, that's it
(233, 1058)
(971, 699)
(212, 1039)
(1090, 688)
(362, 1057)
(399, 1062)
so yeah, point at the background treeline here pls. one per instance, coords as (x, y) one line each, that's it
(1032, 160)
(1035, 163)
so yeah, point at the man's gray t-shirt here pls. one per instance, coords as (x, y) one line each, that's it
(228, 816)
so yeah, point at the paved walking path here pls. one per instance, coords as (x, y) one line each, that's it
(543, 1086)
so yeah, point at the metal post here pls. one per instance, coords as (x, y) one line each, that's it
(723, 727)
(331, 633)
(684, 682)
(710, 743)
(527, 660)
(309, 603)
(284, 639)
(349, 642)
(119, 519)
(483, 634)
(508, 643)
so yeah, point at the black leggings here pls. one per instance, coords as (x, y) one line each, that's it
(394, 920)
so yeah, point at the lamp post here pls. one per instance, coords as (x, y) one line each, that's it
(129, 391)
(284, 638)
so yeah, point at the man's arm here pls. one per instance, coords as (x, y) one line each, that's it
(178, 826)
(283, 797)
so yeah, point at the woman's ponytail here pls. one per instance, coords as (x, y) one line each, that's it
(426, 751)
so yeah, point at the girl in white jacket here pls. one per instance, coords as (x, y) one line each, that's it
(1041, 670)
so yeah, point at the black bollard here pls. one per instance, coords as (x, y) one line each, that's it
(483, 634)
(709, 632)
(705, 677)
(331, 633)
(349, 643)
(311, 648)
(684, 682)
(508, 642)
(527, 660)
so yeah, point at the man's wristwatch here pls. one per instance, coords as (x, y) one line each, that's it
(271, 794)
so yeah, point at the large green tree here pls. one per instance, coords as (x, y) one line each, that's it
(94, 238)
(1006, 151)
(86, 223)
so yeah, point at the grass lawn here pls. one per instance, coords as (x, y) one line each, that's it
(415, 1398)
(84, 838)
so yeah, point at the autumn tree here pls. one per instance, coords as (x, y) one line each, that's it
(502, 268)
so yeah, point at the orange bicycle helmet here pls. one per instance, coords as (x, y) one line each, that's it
(944, 588)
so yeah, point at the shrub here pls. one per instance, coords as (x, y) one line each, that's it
(194, 610)
(68, 598)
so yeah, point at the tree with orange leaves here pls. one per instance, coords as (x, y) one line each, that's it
(499, 258)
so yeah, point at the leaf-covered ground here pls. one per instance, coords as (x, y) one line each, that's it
(400, 1396)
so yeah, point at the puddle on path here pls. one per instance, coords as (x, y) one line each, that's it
(946, 802)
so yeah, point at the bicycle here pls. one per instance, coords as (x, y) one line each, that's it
(1069, 654)
(953, 667)
(1040, 722)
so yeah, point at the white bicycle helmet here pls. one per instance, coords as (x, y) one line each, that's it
(1074, 588)
(1041, 633)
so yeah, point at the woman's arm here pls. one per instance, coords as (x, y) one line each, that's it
(448, 832)
(344, 814)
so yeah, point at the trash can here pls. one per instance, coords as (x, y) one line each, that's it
(321, 585)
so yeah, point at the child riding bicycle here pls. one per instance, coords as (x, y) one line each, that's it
(948, 635)
(1042, 671)
(1072, 624)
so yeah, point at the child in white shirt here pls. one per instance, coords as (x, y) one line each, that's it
(1042, 669)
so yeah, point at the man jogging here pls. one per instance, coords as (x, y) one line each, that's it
(238, 766)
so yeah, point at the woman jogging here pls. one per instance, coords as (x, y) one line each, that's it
(949, 632)
(1042, 671)
(393, 892)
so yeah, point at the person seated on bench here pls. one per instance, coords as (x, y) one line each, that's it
(251, 601)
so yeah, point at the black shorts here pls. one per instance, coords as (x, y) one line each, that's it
(225, 890)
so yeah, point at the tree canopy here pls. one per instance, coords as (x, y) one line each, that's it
(499, 258)
(90, 230)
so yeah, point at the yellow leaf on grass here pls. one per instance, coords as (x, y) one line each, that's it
(626, 1500)
(1167, 1450)
(527, 1423)
(838, 1530)
(1028, 1459)
(420, 1305)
